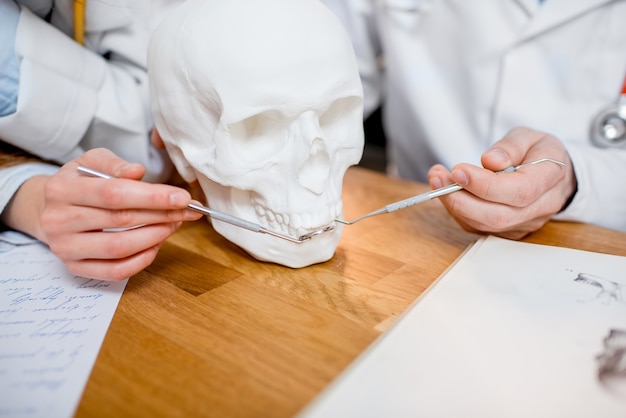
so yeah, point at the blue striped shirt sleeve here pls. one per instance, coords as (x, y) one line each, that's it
(9, 67)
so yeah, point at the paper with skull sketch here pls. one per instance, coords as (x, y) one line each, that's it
(52, 324)
(511, 330)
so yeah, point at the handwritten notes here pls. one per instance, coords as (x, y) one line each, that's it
(511, 330)
(52, 325)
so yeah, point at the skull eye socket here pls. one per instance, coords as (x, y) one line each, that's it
(333, 120)
(258, 137)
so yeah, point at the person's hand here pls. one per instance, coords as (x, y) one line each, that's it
(510, 205)
(70, 212)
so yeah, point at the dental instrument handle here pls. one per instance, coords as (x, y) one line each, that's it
(423, 197)
(242, 223)
(224, 217)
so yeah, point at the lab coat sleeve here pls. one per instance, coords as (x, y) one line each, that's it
(72, 98)
(601, 195)
(358, 19)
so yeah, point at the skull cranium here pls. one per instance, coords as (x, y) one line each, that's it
(261, 101)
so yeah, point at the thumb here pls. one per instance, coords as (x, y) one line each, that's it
(496, 159)
(512, 149)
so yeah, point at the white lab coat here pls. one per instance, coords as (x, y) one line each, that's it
(459, 74)
(73, 98)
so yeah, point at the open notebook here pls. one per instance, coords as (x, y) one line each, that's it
(510, 330)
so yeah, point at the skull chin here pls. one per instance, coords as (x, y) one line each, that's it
(252, 207)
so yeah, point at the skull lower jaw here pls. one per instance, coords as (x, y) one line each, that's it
(252, 207)
(268, 248)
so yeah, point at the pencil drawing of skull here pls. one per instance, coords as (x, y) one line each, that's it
(612, 362)
(261, 101)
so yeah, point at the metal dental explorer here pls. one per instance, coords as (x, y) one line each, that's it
(224, 217)
(442, 191)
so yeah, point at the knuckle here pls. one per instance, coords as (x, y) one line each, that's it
(117, 272)
(113, 194)
(121, 218)
(174, 215)
(53, 188)
(512, 235)
(149, 255)
(60, 248)
(527, 195)
(163, 231)
(116, 246)
(75, 268)
(518, 130)
(161, 199)
(123, 270)
(49, 221)
(488, 190)
(499, 220)
(453, 204)
(554, 206)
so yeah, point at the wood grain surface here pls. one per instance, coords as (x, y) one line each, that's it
(207, 330)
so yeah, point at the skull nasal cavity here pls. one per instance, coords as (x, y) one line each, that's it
(314, 173)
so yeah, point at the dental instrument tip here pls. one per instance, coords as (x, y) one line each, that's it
(310, 235)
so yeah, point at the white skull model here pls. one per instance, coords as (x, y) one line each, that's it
(261, 101)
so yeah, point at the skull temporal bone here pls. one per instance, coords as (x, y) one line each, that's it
(261, 101)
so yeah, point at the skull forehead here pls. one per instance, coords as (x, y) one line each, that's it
(269, 30)
(253, 63)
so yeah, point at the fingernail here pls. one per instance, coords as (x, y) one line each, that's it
(178, 199)
(191, 215)
(120, 170)
(499, 155)
(436, 183)
(128, 166)
(460, 176)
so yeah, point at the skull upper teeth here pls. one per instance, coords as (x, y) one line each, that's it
(296, 224)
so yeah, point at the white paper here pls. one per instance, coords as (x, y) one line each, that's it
(511, 330)
(52, 325)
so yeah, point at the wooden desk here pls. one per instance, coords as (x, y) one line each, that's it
(208, 331)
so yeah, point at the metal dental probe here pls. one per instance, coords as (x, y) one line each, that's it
(224, 217)
(420, 198)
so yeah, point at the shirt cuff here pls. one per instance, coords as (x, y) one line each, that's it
(12, 178)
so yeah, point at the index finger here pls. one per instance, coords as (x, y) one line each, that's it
(106, 161)
(78, 189)
(120, 193)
